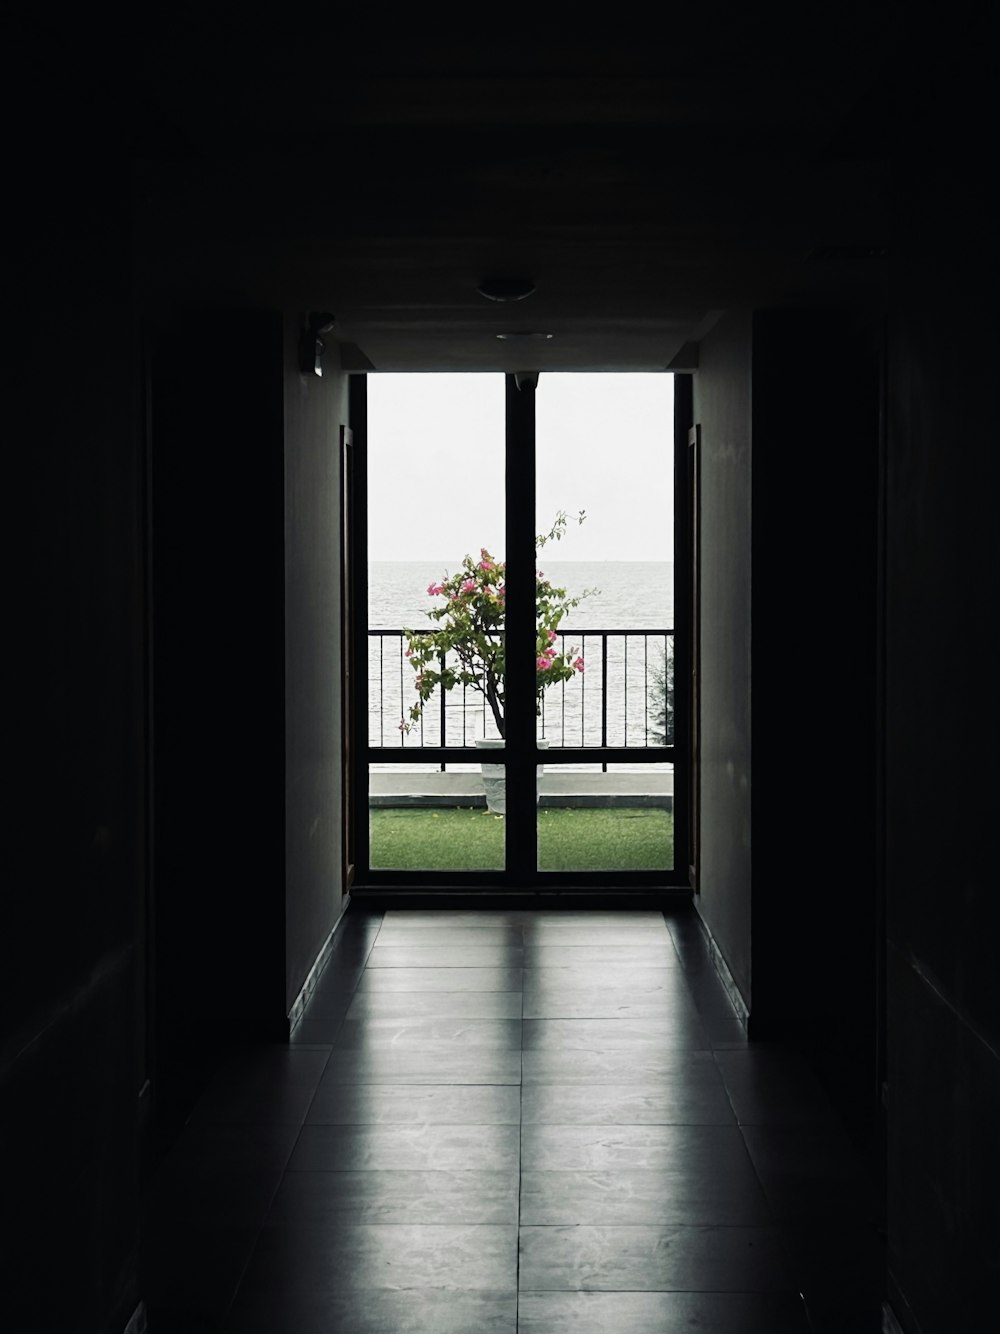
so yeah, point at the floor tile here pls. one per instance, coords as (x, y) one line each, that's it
(327, 1198)
(417, 1147)
(698, 1098)
(192, 1267)
(702, 1154)
(374, 1311)
(466, 1004)
(417, 1067)
(642, 955)
(429, 1033)
(810, 1172)
(440, 979)
(770, 1087)
(361, 1256)
(548, 1000)
(609, 1034)
(640, 1065)
(630, 1196)
(458, 955)
(661, 1313)
(407, 1104)
(699, 1259)
(445, 936)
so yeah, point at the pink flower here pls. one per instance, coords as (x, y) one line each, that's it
(402, 724)
(543, 663)
(578, 664)
(502, 591)
(434, 589)
(552, 636)
(485, 564)
(469, 586)
(409, 653)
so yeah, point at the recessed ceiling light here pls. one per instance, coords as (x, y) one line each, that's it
(524, 337)
(506, 289)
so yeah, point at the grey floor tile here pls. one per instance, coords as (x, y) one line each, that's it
(457, 955)
(318, 1031)
(408, 1104)
(703, 1154)
(696, 1098)
(661, 1313)
(326, 1198)
(416, 1147)
(576, 956)
(374, 1311)
(811, 1172)
(416, 1067)
(630, 1196)
(548, 1001)
(361, 1256)
(440, 979)
(610, 1034)
(465, 1004)
(614, 975)
(444, 936)
(768, 1087)
(430, 1033)
(681, 1258)
(640, 1065)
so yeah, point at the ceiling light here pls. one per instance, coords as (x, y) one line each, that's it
(524, 337)
(506, 289)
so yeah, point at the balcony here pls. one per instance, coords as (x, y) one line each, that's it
(592, 816)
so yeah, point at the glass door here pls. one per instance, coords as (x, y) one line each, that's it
(517, 664)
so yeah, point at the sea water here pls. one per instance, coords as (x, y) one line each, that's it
(618, 596)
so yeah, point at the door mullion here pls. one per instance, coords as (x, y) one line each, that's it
(519, 655)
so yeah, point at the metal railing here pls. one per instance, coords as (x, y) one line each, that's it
(623, 697)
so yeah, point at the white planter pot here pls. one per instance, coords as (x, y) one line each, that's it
(495, 775)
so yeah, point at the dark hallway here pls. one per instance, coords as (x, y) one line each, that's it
(202, 1010)
(541, 1121)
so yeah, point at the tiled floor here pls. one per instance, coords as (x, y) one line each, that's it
(547, 1122)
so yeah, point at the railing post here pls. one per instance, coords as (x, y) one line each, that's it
(444, 724)
(604, 695)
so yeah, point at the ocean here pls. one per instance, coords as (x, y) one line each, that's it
(614, 700)
(630, 595)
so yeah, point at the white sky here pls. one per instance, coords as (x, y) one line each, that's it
(436, 468)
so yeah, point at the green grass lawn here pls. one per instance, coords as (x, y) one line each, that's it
(462, 839)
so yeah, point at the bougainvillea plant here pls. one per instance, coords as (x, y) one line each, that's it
(469, 634)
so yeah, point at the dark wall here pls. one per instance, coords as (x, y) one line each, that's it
(941, 698)
(216, 407)
(722, 409)
(815, 910)
(72, 1060)
(315, 409)
(791, 668)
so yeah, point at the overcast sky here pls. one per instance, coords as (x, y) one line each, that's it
(436, 471)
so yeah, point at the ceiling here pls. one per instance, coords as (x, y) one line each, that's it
(644, 184)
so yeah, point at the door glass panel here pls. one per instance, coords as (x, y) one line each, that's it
(618, 818)
(605, 588)
(421, 818)
(436, 520)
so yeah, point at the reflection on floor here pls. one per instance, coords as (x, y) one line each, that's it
(488, 1121)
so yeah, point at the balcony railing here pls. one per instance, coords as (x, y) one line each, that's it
(623, 697)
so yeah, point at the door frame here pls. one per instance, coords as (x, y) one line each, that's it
(521, 878)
